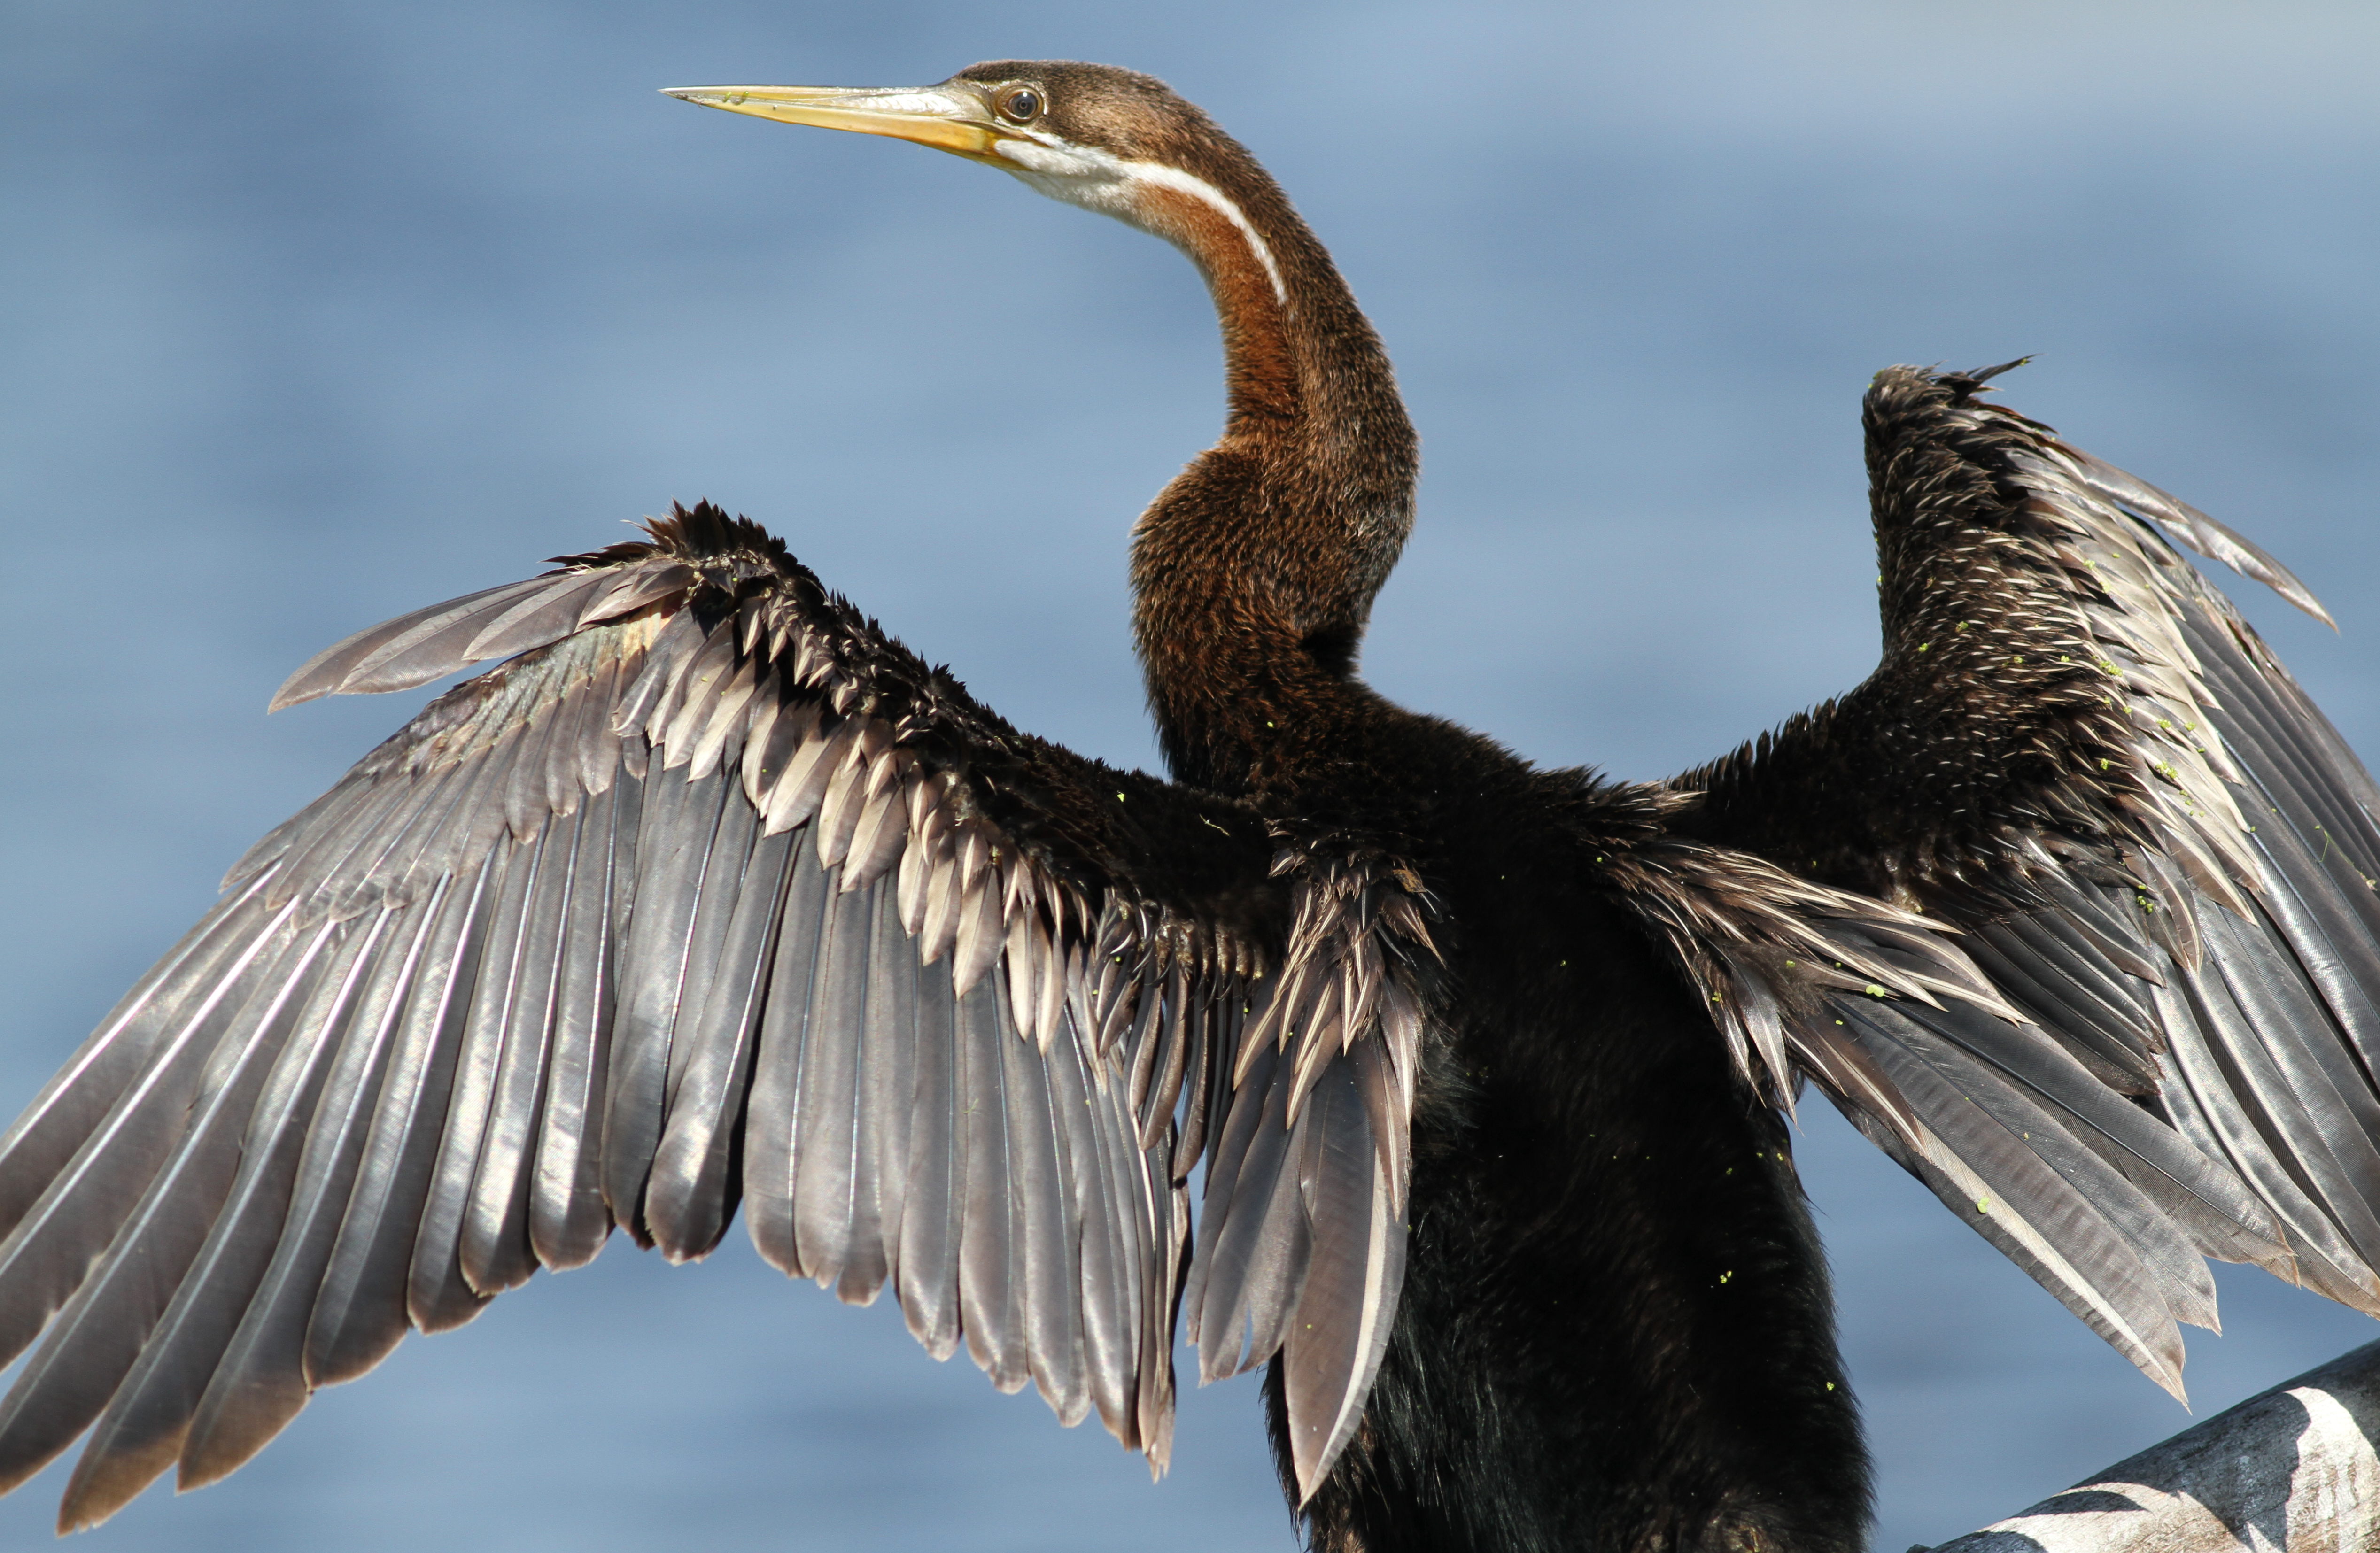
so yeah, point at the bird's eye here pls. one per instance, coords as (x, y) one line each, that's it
(1022, 104)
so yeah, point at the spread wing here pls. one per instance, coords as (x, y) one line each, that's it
(2162, 856)
(712, 896)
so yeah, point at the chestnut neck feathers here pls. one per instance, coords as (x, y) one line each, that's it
(1254, 571)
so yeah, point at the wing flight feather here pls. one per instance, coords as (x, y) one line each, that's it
(2161, 860)
(709, 897)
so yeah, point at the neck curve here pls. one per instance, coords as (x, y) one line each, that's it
(1254, 571)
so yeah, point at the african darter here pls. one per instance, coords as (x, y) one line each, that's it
(711, 895)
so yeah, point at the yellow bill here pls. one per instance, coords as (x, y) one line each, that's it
(945, 117)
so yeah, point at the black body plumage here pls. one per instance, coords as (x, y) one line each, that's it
(709, 899)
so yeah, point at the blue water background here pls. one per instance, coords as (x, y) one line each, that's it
(311, 314)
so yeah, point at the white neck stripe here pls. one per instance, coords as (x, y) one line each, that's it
(1187, 183)
(1100, 180)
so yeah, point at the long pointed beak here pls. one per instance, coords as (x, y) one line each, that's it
(945, 117)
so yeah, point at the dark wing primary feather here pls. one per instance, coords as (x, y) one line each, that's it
(2163, 857)
(712, 896)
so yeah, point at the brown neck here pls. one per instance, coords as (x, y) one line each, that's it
(1254, 571)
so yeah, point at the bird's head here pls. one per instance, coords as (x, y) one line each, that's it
(1275, 541)
(1108, 140)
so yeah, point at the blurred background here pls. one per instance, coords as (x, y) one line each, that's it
(311, 314)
